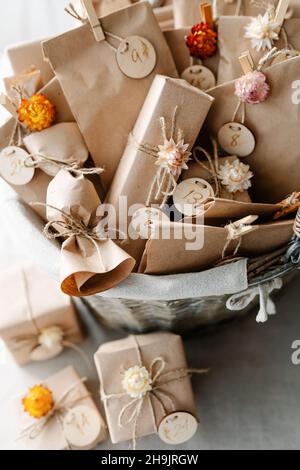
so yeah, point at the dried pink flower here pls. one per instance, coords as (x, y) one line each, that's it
(252, 88)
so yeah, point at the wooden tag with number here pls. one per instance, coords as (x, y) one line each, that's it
(136, 57)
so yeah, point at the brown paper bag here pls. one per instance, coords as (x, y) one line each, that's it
(171, 256)
(35, 190)
(52, 436)
(114, 358)
(226, 209)
(232, 43)
(186, 12)
(25, 314)
(25, 55)
(104, 101)
(137, 170)
(275, 125)
(90, 262)
(176, 42)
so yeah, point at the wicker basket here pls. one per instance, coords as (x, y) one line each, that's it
(169, 311)
(179, 316)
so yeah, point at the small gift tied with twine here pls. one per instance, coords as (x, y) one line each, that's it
(157, 150)
(71, 420)
(34, 331)
(90, 260)
(143, 379)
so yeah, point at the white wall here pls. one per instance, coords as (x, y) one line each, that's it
(22, 20)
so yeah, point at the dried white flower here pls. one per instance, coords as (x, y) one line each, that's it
(173, 156)
(51, 337)
(137, 382)
(235, 176)
(263, 31)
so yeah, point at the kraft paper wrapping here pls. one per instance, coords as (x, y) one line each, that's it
(186, 12)
(102, 98)
(171, 256)
(61, 142)
(15, 321)
(137, 170)
(275, 125)
(35, 190)
(25, 55)
(176, 42)
(232, 43)
(52, 436)
(87, 266)
(197, 171)
(113, 358)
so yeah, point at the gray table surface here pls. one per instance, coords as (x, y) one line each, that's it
(249, 400)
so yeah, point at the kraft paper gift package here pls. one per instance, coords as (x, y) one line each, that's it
(30, 319)
(72, 420)
(159, 354)
(138, 169)
(98, 64)
(186, 12)
(233, 42)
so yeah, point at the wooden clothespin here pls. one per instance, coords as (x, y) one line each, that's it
(281, 11)
(9, 105)
(206, 14)
(93, 20)
(244, 225)
(246, 62)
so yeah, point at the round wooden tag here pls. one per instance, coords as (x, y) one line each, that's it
(136, 57)
(199, 76)
(12, 167)
(191, 194)
(143, 221)
(236, 139)
(41, 353)
(82, 426)
(177, 428)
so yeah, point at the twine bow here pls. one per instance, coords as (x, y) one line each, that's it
(157, 381)
(236, 230)
(39, 337)
(267, 306)
(42, 161)
(61, 406)
(213, 162)
(171, 158)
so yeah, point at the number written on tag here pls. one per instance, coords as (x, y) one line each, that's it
(136, 57)
(12, 166)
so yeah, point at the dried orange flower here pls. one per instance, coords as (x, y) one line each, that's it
(38, 401)
(37, 113)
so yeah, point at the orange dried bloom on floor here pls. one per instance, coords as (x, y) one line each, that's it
(37, 113)
(202, 41)
(38, 401)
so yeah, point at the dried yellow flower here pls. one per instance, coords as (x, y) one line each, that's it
(38, 401)
(37, 113)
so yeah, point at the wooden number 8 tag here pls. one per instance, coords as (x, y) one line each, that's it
(236, 139)
(136, 57)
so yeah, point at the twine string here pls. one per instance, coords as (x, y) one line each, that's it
(60, 408)
(42, 161)
(157, 391)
